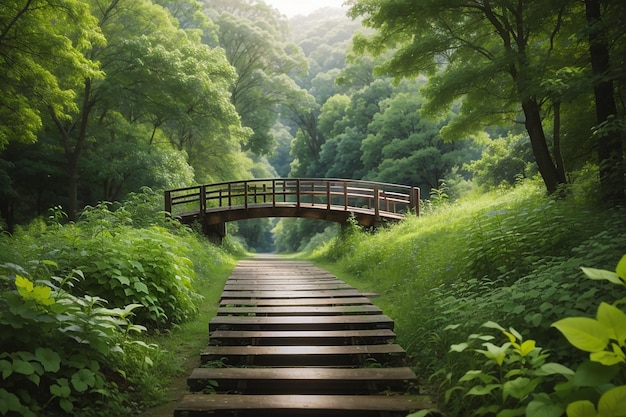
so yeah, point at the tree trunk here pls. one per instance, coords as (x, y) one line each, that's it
(548, 170)
(610, 152)
(556, 141)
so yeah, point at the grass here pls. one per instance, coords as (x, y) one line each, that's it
(479, 259)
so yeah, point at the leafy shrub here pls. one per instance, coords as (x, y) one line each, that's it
(124, 265)
(512, 381)
(58, 350)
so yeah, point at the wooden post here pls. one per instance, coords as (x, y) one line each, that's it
(273, 193)
(345, 196)
(328, 185)
(376, 202)
(298, 193)
(245, 195)
(230, 195)
(168, 201)
(202, 200)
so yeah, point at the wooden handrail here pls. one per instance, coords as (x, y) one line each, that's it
(330, 193)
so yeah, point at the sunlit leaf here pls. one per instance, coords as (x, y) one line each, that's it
(583, 333)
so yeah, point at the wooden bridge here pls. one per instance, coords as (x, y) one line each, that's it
(290, 339)
(335, 200)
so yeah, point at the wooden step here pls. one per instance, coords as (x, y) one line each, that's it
(300, 311)
(301, 380)
(348, 355)
(288, 287)
(296, 405)
(294, 301)
(291, 294)
(364, 321)
(279, 281)
(323, 337)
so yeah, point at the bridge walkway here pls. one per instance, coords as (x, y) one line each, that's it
(290, 339)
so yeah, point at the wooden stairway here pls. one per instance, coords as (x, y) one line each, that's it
(290, 339)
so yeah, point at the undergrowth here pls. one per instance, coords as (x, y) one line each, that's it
(83, 304)
(511, 257)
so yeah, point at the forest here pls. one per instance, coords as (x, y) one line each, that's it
(509, 115)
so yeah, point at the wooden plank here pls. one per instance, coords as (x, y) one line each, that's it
(294, 302)
(303, 311)
(390, 349)
(287, 287)
(223, 336)
(378, 321)
(278, 281)
(305, 374)
(382, 403)
(301, 380)
(291, 294)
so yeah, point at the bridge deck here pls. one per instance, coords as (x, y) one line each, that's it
(325, 199)
(299, 350)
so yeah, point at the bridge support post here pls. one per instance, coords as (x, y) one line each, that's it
(215, 232)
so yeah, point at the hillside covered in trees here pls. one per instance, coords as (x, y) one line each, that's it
(509, 116)
(110, 97)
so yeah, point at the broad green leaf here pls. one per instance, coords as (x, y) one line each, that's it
(83, 379)
(594, 374)
(613, 403)
(620, 270)
(483, 389)
(493, 325)
(614, 320)
(607, 358)
(459, 347)
(511, 412)
(42, 295)
(515, 333)
(581, 409)
(23, 367)
(477, 374)
(519, 388)
(527, 347)
(62, 391)
(584, 333)
(24, 285)
(122, 279)
(6, 368)
(141, 287)
(495, 353)
(602, 274)
(50, 359)
(511, 337)
(552, 368)
(66, 405)
(9, 402)
(543, 406)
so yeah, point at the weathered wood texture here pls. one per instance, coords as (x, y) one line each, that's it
(285, 344)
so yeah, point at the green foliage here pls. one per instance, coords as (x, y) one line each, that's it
(503, 162)
(504, 382)
(124, 265)
(516, 254)
(60, 351)
(517, 369)
(66, 348)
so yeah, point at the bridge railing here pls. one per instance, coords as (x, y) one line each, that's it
(335, 194)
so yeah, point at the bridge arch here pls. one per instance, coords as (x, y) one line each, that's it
(335, 200)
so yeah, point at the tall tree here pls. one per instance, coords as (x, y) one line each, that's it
(155, 74)
(253, 36)
(609, 133)
(491, 54)
(41, 61)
